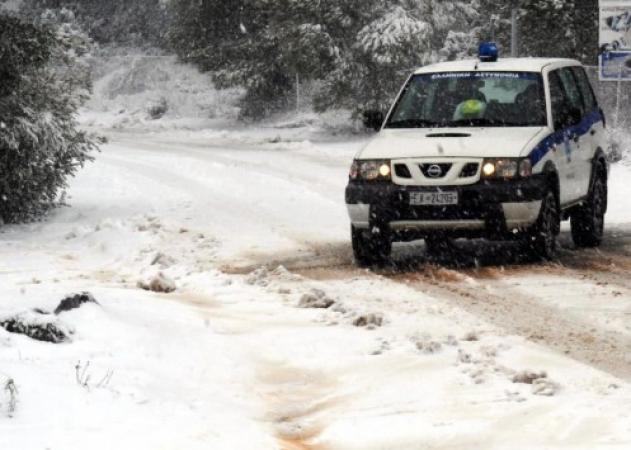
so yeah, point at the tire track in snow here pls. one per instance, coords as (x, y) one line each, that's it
(486, 293)
(527, 316)
(297, 400)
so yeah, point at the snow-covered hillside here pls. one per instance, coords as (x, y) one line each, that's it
(138, 89)
(148, 91)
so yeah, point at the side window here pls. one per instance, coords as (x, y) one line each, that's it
(589, 100)
(560, 105)
(414, 101)
(571, 89)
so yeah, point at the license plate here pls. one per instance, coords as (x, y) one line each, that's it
(433, 198)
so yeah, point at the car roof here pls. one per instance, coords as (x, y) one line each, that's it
(501, 65)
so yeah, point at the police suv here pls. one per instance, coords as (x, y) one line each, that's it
(490, 148)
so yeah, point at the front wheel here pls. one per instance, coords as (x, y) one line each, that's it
(588, 221)
(542, 240)
(370, 249)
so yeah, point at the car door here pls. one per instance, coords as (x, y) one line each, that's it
(593, 129)
(579, 133)
(564, 144)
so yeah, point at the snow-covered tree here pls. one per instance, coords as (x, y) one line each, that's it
(40, 93)
(548, 28)
(560, 28)
(260, 44)
(399, 36)
(128, 22)
(361, 49)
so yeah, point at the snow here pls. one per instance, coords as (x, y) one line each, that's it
(230, 360)
(128, 82)
(272, 338)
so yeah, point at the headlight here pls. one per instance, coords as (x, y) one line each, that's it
(506, 168)
(371, 170)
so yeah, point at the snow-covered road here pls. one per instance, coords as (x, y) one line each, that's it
(252, 227)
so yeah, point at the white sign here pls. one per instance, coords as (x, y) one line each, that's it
(615, 40)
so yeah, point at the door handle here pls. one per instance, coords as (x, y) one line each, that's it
(592, 132)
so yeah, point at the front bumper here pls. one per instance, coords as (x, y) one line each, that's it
(486, 209)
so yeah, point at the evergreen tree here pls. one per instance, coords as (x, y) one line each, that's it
(128, 22)
(548, 28)
(560, 28)
(400, 36)
(361, 49)
(40, 93)
(263, 44)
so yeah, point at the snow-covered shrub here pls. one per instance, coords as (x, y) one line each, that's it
(41, 87)
(75, 301)
(37, 326)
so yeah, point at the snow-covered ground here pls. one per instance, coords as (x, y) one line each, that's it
(272, 338)
(251, 225)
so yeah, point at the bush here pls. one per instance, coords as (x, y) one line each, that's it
(41, 88)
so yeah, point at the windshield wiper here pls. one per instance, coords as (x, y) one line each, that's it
(411, 123)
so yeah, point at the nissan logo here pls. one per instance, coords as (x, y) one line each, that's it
(434, 171)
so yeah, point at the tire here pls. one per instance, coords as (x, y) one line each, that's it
(542, 239)
(588, 221)
(439, 246)
(370, 249)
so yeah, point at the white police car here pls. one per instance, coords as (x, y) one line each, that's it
(491, 148)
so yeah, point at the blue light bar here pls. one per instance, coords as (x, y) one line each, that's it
(488, 52)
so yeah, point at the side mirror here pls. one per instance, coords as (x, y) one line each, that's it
(373, 119)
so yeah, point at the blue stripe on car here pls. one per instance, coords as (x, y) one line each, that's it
(558, 137)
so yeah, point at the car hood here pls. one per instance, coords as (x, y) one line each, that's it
(453, 142)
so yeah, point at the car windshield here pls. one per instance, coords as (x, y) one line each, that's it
(471, 99)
